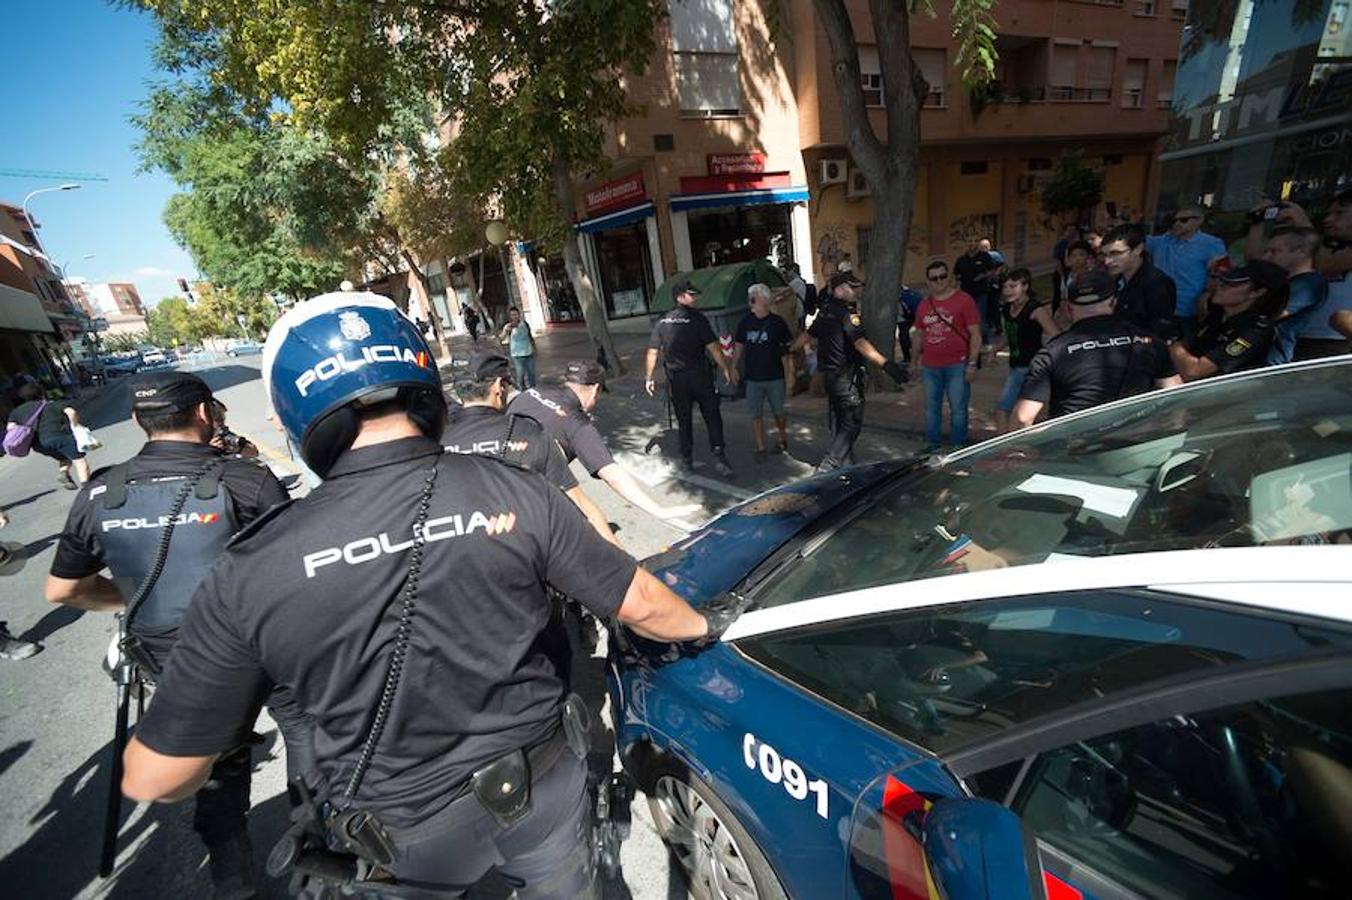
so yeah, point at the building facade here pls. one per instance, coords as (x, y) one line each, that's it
(118, 304)
(740, 149)
(38, 321)
(1263, 108)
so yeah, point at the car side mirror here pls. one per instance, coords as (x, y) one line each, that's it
(978, 850)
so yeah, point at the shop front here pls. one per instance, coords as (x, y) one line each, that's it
(739, 213)
(620, 246)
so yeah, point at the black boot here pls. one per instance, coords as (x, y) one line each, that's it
(231, 864)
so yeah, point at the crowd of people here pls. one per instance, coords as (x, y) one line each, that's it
(1129, 311)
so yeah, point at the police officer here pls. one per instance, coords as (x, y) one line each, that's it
(117, 521)
(565, 414)
(684, 338)
(481, 425)
(1100, 358)
(841, 351)
(403, 601)
(1239, 330)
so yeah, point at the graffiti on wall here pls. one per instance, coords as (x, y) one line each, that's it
(830, 245)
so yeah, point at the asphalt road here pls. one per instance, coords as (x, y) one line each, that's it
(56, 709)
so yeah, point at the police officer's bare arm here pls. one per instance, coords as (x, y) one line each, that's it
(593, 514)
(93, 593)
(624, 484)
(654, 611)
(715, 352)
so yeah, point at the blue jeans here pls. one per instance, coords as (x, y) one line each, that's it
(951, 381)
(1013, 385)
(525, 371)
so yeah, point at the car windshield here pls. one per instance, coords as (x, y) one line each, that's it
(1244, 462)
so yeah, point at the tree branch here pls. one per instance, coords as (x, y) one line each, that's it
(864, 145)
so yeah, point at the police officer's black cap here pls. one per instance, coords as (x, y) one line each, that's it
(481, 366)
(1265, 274)
(159, 392)
(1093, 287)
(684, 286)
(585, 371)
(840, 278)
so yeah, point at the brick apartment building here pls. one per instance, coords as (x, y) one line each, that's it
(117, 303)
(38, 322)
(740, 151)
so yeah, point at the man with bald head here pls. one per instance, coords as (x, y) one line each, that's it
(1185, 253)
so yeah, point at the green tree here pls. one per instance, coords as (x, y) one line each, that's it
(890, 162)
(171, 323)
(1073, 189)
(529, 88)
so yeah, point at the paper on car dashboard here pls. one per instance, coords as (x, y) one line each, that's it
(1117, 502)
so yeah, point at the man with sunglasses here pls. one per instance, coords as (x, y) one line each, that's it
(1185, 253)
(945, 349)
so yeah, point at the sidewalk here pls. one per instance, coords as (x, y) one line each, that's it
(635, 425)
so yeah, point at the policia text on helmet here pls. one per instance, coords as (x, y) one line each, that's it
(403, 601)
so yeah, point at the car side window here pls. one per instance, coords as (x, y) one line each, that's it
(1246, 801)
(944, 677)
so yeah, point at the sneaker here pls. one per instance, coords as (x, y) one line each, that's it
(67, 482)
(721, 466)
(761, 456)
(13, 648)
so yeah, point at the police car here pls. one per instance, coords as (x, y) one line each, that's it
(1108, 656)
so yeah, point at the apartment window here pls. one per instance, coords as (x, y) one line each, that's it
(1145, 7)
(1064, 63)
(1133, 83)
(1099, 75)
(1179, 10)
(863, 239)
(870, 75)
(933, 63)
(1040, 164)
(974, 167)
(1165, 97)
(704, 49)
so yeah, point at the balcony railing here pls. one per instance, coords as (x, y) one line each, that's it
(1064, 93)
(1132, 98)
(996, 92)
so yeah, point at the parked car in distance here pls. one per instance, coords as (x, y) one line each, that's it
(154, 357)
(1105, 657)
(128, 365)
(242, 347)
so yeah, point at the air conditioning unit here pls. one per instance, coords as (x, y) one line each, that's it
(834, 171)
(858, 185)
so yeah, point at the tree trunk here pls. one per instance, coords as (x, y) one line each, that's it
(889, 168)
(593, 310)
(475, 300)
(425, 290)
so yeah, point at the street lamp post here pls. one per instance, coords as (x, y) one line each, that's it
(69, 186)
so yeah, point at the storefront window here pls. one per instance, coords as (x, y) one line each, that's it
(626, 269)
(741, 234)
(1260, 106)
(560, 298)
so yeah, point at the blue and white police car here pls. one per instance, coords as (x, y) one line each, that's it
(1109, 656)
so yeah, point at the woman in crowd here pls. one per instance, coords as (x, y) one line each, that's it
(1028, 325)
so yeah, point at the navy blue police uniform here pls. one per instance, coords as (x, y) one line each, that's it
(683, 335)
(836, 329)
(403, 601)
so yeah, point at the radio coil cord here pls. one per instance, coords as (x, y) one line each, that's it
(409, 601)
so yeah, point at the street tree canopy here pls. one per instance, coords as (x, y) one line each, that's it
(527, 88)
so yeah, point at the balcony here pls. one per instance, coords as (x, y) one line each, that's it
(997, 93)
(1065, 93)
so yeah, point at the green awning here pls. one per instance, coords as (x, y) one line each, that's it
(721, 287)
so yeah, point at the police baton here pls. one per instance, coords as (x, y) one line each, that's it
(112, 812)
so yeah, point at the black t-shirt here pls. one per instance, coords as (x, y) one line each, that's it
(251, 486)
(766, 341)
(485, 430)
(1024, 334)
(969, 270)
(835, 329)
(310, 600)
(1097, 360)
(561, 414)
(52, 424)
(1147, 300)
(682, 335)
(1235, 344)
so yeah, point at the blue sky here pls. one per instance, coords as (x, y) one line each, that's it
(74, 71)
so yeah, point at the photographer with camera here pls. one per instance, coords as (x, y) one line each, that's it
(404, 602)
(183, 483)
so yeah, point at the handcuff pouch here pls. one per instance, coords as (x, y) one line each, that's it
(503, 787)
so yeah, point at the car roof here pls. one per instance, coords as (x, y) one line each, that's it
(1307, 580)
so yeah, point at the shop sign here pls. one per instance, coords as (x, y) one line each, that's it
(620, 192)
(736, 163)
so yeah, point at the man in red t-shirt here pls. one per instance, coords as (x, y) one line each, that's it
(946, 339)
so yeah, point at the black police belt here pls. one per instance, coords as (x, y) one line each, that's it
(342, 844)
